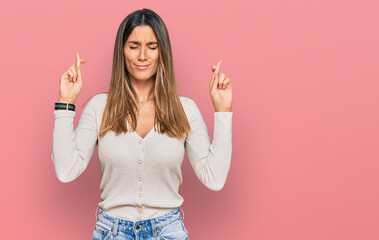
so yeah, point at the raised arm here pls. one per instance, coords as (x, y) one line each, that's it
(73, 149)
(210, 161)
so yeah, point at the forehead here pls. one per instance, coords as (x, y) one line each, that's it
(142, 34)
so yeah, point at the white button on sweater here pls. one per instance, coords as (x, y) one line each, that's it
(126, 159)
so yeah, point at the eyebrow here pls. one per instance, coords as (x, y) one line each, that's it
(138, 43)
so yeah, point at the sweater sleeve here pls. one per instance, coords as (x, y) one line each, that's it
(73, 149)
(210, 161)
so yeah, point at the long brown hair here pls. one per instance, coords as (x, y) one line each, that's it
(170, 117)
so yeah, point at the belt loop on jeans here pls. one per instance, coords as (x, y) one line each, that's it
(182, 211)
(115, 226)
(153, 227)
(97, 209)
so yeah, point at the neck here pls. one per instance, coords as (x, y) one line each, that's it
(143, 88)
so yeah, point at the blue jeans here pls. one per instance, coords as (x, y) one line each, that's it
(166, 227)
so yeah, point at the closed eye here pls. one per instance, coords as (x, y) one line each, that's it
(136, 47)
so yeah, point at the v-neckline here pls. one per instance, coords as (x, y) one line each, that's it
(138, 136)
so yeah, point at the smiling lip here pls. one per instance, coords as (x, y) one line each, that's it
(142, 66)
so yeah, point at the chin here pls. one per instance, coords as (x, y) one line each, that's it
(143, 78)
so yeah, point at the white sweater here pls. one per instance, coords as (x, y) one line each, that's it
(141, 176)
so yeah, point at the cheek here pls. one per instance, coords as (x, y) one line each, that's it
(128, 61)
(129, 57)
(154, 57)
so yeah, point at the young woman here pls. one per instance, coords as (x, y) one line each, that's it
(142, 128)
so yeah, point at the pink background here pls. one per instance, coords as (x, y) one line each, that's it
(305, 123)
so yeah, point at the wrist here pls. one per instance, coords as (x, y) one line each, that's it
(64, 106)
(65, 100)
(223, 110)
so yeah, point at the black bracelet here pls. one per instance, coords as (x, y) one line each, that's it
(66, 106)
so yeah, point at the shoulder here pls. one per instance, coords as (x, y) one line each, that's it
(187, 102)
(189, 106)
(97, 102)
(98, 98)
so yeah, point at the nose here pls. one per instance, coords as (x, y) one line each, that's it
(142, 54)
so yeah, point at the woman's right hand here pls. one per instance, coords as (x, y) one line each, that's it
(70, 83)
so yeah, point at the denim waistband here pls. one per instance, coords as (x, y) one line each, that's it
(152, 224)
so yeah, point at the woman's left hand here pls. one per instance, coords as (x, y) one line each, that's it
(221, 90)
